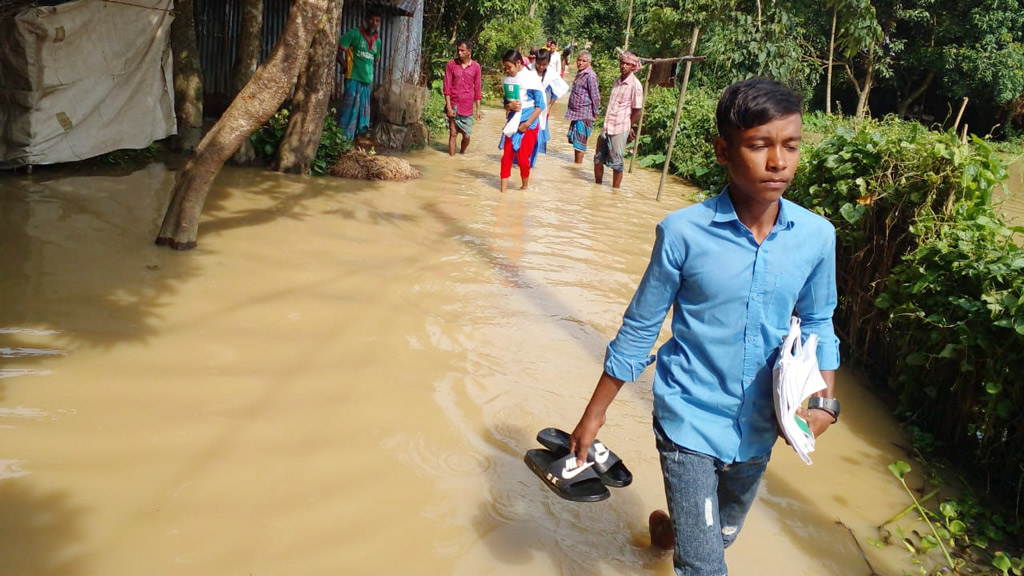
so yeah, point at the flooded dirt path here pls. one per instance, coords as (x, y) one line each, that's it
(343, 377)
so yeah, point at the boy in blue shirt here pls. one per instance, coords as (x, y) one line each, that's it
(733, 269)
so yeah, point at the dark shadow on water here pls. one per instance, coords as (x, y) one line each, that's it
(36, 530)
(59, 230)
(492, 179)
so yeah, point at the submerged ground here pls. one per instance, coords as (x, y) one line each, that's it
(344, 376)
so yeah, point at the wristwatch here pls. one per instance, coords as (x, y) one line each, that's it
(830, 405)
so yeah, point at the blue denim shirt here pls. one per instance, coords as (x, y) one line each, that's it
(731, 302)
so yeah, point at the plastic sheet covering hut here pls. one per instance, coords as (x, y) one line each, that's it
(84, 78)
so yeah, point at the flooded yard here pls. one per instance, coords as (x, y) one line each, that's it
(344, 376)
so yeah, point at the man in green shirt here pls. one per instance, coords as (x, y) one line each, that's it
(362, 47)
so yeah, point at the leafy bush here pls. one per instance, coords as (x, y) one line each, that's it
(434, 112)
(931, 282)
(693, 157)
(128, 157)
(956, 313)
(333, 142)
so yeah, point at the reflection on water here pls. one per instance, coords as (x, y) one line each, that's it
(344, 376)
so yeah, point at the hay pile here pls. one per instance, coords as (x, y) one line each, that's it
(362, 166)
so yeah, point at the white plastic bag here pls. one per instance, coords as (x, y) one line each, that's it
(795, 377)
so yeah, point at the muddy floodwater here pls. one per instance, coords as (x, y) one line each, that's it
(343, 378)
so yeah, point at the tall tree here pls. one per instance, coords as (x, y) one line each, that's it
(312, 96)
(188, 76)
(858, 38)
(978, 52)
(253, 106)
(250, 45)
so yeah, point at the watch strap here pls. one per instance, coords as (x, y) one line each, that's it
(830, 405)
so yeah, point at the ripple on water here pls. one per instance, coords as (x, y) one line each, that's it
(28, 352)
(11, 469)
(464, 463)
(24, 413)
(14, 372)
(420, 456)
(30, 331)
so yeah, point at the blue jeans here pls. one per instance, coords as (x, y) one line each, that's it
(708, 501)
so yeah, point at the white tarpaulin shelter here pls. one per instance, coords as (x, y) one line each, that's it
(84, 78)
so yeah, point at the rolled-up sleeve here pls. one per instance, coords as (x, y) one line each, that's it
(816, 305)
(448, 84)
(478, 86)
(628, 355)
(595, 94)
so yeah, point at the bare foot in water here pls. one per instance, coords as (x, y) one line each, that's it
(663, 536)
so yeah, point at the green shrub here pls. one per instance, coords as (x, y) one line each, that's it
(333, 142)
(693, 157)
(931, 282)
(956, 314)
(434, 112)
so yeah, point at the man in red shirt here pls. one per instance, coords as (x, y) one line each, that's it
(462, 93)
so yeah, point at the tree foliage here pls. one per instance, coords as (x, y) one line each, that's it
(445, 22)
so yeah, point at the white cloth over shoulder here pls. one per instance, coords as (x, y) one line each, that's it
(526, 80)
(795, 377)
(558, 89)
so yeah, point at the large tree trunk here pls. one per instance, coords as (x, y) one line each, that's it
(188, 77)
(250, 44)
(312, 96)
(253, 106)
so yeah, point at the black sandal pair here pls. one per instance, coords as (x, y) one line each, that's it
(562, 473)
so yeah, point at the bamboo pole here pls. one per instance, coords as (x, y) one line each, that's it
(640, 123)
(629, 23)
(959, 115)
(679, 112)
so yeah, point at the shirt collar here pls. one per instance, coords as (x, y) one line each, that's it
(726, 212)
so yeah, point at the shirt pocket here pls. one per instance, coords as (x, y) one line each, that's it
(781, 302)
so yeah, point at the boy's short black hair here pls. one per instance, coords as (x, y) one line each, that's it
(373, 13)
(467, 42)
(753, 102)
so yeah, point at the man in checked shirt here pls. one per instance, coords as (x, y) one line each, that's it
(623, 111)
(584, 105)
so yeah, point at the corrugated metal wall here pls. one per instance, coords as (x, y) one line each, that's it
(217, 29)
